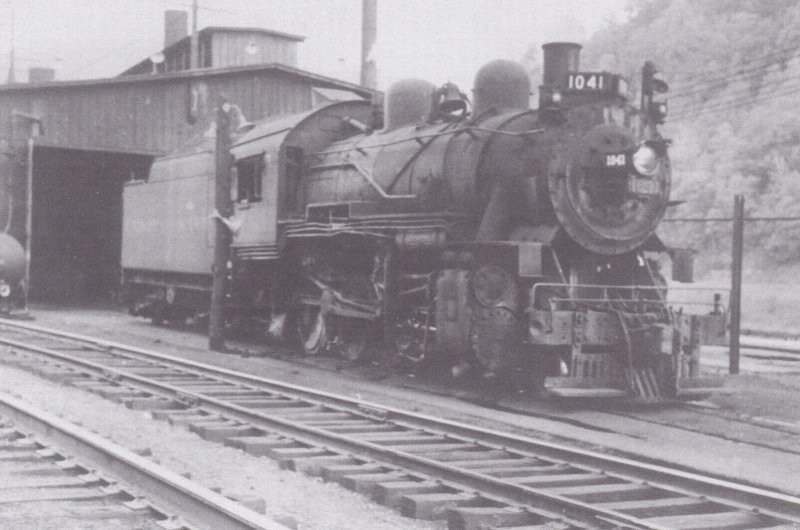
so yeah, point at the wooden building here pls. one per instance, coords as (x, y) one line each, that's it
(81, 140)
(221, 47)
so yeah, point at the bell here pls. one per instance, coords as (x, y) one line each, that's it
(242, 125)
(240, 122)
(451, 100)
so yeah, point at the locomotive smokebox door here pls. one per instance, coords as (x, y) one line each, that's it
(600, 193)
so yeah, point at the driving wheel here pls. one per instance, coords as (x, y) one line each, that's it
(351, 338)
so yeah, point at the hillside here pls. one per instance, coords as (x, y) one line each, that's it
(734, 72)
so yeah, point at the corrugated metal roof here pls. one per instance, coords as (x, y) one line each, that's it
(43, 141)
(335, 94)
(188, 74)
(223, 29)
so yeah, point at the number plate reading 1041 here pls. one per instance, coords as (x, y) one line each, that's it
(615, 160)
(644, 186)
(588, 81)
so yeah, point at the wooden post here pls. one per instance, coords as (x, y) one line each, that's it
(222, 239)
(736, 282)
(34, 131)
(194, 41)
(28, 222)
(369, 32)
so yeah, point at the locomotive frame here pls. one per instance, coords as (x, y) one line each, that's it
(505, 239)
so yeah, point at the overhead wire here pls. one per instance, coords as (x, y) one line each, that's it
(700, 88)
(730, 105)
(715, 73)
(107, 55)
(740, 95)
(77, 71)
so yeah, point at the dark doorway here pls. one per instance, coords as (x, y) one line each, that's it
(77, 223)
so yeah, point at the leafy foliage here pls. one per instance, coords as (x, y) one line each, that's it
(734, 71)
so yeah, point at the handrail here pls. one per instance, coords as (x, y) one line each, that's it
(416, 138)
(366, 175)
(633, 289)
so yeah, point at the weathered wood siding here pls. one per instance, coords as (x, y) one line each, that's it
(148, 114)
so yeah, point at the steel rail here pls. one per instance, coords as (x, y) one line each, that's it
(554, 504)
(193, 503)
(773, 345)
(727, 492)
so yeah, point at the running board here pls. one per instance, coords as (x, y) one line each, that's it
(568, 392)
(646, 389)
(586, 387)
(698, 387)
(699, 392)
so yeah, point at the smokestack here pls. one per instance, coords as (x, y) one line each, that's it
(41, 75)
(369, 32)
(176, 26)
(560, 58)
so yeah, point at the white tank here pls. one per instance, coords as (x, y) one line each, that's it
(12, 260)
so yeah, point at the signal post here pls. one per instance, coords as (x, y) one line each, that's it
(736, 283)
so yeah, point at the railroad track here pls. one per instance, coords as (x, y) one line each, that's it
(58, 475)
(753, 344)
(427, 467)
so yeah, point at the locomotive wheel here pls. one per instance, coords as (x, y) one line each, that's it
(312, 330)
(352, 338)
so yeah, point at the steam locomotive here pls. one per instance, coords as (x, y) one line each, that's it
(499, 239)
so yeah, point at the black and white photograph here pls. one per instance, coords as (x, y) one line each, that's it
(399, 264)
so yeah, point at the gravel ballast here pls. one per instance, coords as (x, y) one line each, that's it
(731, 436)
(310, 502)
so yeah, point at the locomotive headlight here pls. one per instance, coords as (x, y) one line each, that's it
(5, 289)
(645, 160)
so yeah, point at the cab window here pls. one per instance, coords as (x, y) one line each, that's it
(249, 175)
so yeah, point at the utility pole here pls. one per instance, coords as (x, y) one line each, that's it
(194, 42)
(369, 32)
(11, 77)
(223, 236)
(28, 220)
(736, 282)
(34, 129)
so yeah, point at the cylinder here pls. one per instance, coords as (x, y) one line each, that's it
(560, 58)
(501, 84)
